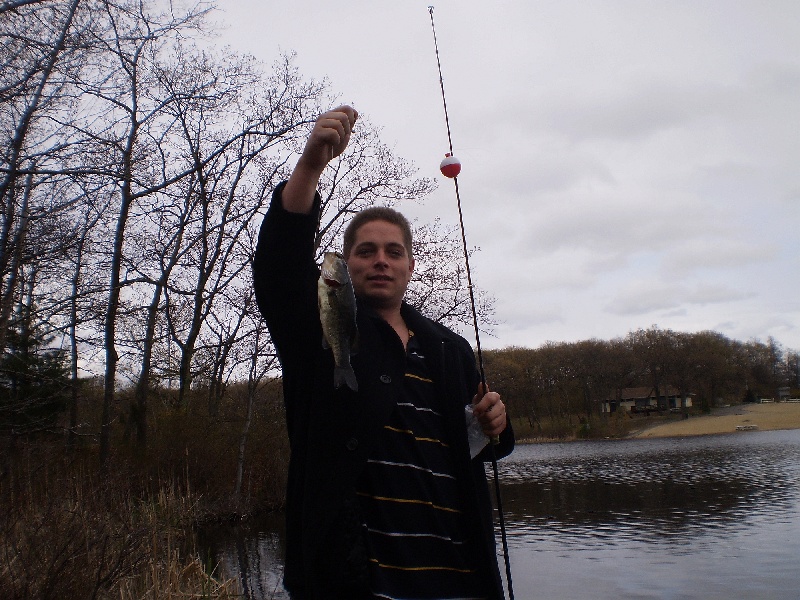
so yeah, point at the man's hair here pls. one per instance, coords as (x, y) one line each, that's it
(377, 213)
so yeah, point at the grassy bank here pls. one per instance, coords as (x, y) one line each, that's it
(71, 529)
(573, 427)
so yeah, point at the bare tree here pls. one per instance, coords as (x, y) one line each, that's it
(258, 355)
(33, 42)
(13, 5)
(81, 289)
(657, 354)
(130, 122)
(231, 179)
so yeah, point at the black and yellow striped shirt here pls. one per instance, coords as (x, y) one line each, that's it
(410, 502)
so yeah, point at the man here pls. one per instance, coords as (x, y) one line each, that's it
(383, 500)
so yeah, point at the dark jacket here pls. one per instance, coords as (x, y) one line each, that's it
(331, 432)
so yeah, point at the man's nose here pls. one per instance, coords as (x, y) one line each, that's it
(380, 258)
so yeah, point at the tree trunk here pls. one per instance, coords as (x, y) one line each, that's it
(143, 384)
(72, 434)
(113, 307)
(251, 393)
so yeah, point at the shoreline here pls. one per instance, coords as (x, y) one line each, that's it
(756, 417)
(747, 417)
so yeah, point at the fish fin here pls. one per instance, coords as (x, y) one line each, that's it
(345, 376)
(325, 344)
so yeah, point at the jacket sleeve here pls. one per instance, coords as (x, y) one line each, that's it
(284, 272)
(285, 281)
(501, 449)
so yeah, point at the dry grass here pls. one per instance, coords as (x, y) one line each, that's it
(176, 580)
(781, 415)
(71, 530)
(170, 572)
(80, 537)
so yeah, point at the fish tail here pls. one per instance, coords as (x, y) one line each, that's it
(345, 376)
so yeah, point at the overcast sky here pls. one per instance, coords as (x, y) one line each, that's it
(625, 163)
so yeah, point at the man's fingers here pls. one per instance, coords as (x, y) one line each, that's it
(345, 116)
(333, 129)
(491, 412)
(349, 112)
(484, 402)
(494, 425)
(479, 395)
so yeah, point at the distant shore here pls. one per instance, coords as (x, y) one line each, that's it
(761, 417)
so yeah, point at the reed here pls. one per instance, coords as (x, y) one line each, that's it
(177, 580)
(67, 532)
(71, 529)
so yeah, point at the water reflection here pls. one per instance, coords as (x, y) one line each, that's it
(708, 517)
(251, 552)
(650, 488)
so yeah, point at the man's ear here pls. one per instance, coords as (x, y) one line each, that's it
(411, 267)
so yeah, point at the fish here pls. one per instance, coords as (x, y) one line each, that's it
(337, 315)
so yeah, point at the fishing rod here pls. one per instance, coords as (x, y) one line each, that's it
(451, 167)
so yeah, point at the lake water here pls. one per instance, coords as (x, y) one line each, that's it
(712, 517)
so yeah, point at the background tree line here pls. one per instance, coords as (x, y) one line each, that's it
(568, 383)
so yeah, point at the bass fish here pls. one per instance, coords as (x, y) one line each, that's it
(337, 314)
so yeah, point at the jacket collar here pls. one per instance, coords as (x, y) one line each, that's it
(415, 321)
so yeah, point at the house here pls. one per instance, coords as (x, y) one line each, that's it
(645, 400)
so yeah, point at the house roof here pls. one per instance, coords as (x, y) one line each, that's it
(636, 393)
(640, 393)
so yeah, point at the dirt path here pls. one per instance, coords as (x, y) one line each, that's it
(782, 415)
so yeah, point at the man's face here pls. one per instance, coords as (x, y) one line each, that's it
(379, 264)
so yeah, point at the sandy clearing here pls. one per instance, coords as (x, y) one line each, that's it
(782, 415)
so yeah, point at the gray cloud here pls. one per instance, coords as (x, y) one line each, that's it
(625, 164)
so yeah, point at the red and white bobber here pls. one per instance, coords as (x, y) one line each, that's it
(450, 166)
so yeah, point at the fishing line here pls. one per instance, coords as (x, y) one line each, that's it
(455, 165)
